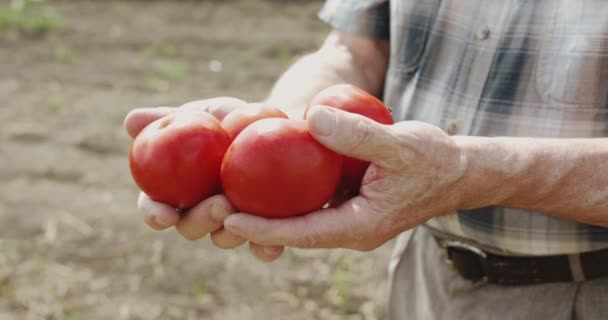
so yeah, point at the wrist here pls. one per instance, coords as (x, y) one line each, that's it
(487, 173)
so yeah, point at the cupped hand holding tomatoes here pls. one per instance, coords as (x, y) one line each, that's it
(416, 173)
(353, 99)
(207, 216)
(176, 159)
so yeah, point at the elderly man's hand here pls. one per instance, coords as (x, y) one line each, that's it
(208, 216)
(415, 175)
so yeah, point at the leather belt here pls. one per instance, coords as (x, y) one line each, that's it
(478, 265)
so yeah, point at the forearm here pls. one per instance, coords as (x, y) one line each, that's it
(342, 59)
(564, 177)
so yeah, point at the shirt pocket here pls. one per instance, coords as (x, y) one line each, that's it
(572, 65)
(414, 21)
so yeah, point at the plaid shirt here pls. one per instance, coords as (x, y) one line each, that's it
(495, 68)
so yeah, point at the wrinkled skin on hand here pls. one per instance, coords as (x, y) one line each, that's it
(415, 174)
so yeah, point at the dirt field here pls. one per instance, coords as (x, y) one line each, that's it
(71, 243)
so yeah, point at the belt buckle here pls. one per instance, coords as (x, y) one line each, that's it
(478, 277)
(455, 244)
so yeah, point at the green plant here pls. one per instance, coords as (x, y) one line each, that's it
(54, 97)
(165, 49)
(63, 53)
(173, 70)
(72, 315)
(148, 50)
(41, 22)
(199, 291)
(54, 101)
(21, 5)
(29, 16)
(162, 72)
(168, 50)
(285, 54)
(242, 76)
(341, 283)
(155, 83)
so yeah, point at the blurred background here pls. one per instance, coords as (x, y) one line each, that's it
(72, 245)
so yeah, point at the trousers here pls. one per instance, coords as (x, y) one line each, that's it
(424, 286)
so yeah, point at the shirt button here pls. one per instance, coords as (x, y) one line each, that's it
(453, 127)
(482, 33)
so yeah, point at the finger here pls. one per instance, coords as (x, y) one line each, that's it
(157, 215)
(225, 239)
(218, 107)
(204, 218)
(352, 134)
(139, 118)
(326, 228)
(266, 253)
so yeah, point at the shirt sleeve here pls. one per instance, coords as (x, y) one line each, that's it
(370, 18)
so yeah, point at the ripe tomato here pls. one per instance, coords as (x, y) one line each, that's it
(238, 119)
(177, 159)
(276, 169)
(352, 99)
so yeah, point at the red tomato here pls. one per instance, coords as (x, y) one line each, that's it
(276, 169)
(240, 118)
(352, 99)
(176, 159)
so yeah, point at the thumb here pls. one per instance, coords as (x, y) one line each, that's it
(351, 134)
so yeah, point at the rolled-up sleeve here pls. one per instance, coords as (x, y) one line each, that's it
(370, 18)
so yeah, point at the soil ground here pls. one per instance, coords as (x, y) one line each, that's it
(72, 245)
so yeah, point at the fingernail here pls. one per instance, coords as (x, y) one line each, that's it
(272, 250)
(324, 122)
(234, 229)
(219, 213)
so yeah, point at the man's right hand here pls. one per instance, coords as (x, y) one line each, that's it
(208, 216)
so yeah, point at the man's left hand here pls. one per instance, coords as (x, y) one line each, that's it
(415, 174)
